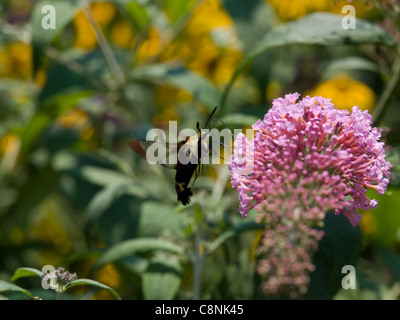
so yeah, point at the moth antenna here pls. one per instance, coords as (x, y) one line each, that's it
(215, 152)
(197, 170)
(210, 117)
(220, 120)
(223, 144)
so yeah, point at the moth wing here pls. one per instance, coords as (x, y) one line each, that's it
(140, 147)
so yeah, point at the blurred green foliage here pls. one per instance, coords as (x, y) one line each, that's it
(73, 194)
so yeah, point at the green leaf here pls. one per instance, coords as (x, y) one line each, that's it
(107, 196)
(72, 73)
(117, 161)
(102, 176)
(130, 247)
(162, 280)
(26, 272)
(138, 13)
(176, 9)
(33, 129)
(348, 64)
(181, 78)
(322, 29)
(89, 282)
(314, 29)
(156, 218)
(340, 246)
(232, 232)
(6, 286)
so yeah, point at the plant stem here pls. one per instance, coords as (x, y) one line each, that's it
(105, 49)
(198, 268)
(59, 295)
(383, 103)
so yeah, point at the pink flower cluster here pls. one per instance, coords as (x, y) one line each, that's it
(307, 158)
(310, 146)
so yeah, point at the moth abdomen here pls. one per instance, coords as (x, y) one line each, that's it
(184, 196)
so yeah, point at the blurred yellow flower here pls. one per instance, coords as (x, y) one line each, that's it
(121, 34)
(226, 65)
(201, 55)
(346, 92)
(41, 78)
(22, 54)
(164, 93)
(150, 46)
(291, 10)
(206, 16)
(108, 275)
(9, 143)
(368, 223)
(9, 150)
(16, 60)
(103, 13)
(77, 119)
(85, 35)
(74, 118)
(164, 116)
(5, 63)
(199, 48)
(256, 242)
(362, 8)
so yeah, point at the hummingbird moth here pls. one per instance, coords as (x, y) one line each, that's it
(193, 147)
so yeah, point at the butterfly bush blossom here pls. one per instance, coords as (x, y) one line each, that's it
(307, 158)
